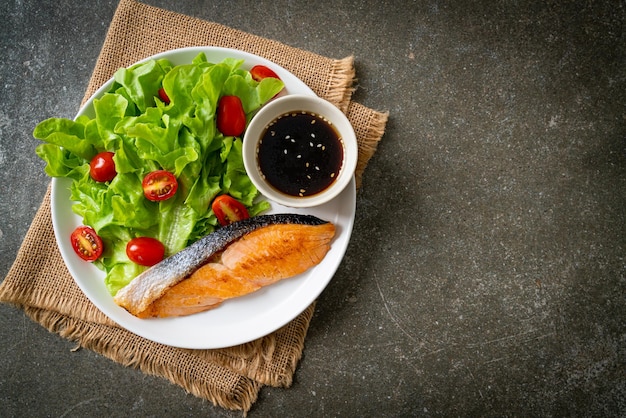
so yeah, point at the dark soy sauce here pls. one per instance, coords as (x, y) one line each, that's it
(300, 154)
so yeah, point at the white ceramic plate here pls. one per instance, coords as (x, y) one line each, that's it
(238, 320)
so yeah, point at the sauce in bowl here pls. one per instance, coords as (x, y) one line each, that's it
(300, 154)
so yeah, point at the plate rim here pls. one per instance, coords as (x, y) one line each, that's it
(60, 220)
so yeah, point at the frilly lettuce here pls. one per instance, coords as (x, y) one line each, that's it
(147, 134)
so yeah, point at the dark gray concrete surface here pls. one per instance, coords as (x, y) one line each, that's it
(486, 274)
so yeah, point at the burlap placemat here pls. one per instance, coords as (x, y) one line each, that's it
(44, 289)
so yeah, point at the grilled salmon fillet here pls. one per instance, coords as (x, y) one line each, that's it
(233, 261)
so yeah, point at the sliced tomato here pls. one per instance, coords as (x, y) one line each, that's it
(159, 185)
(259, 72)
(163, 96)
(145, 251)
(86, 243)
(229, 210)
(231, 118)
(102, 167)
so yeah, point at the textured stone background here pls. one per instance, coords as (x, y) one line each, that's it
(486, 273)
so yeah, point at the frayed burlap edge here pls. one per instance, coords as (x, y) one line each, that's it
(127, 43)
(369, 127)
(340, 83)
(29, 278)
(239, 392)
(272, 359)
(262, 355)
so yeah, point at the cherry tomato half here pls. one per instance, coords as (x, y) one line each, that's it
(102, 167)
(163, 96)
(228, 209)
(159, 185)
(145, 251)
(231, 119)
(259, 72)
(86, 243)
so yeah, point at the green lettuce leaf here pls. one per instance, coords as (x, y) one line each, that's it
(142, 82)
(147, 134)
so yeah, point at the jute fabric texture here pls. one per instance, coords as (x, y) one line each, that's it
(40, 284)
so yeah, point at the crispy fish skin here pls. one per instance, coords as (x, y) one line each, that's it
(155, 281)
(260, 258)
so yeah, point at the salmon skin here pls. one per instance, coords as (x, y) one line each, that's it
(166, 289)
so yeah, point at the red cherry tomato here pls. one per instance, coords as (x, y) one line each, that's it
(231, 119)
(259, 72)
(102, 167)
(229, 210)
(145, 251)
(163, 96)
(86, 243)
(159, 185)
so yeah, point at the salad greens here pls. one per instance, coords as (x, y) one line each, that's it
(147, 134)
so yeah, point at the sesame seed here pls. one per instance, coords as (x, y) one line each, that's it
(312, 135)
(317, 168)
(332, 175)
(299, 156)
(319, 145)
(285, 151)
(310, 143)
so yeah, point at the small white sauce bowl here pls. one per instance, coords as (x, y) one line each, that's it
(297, 103)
